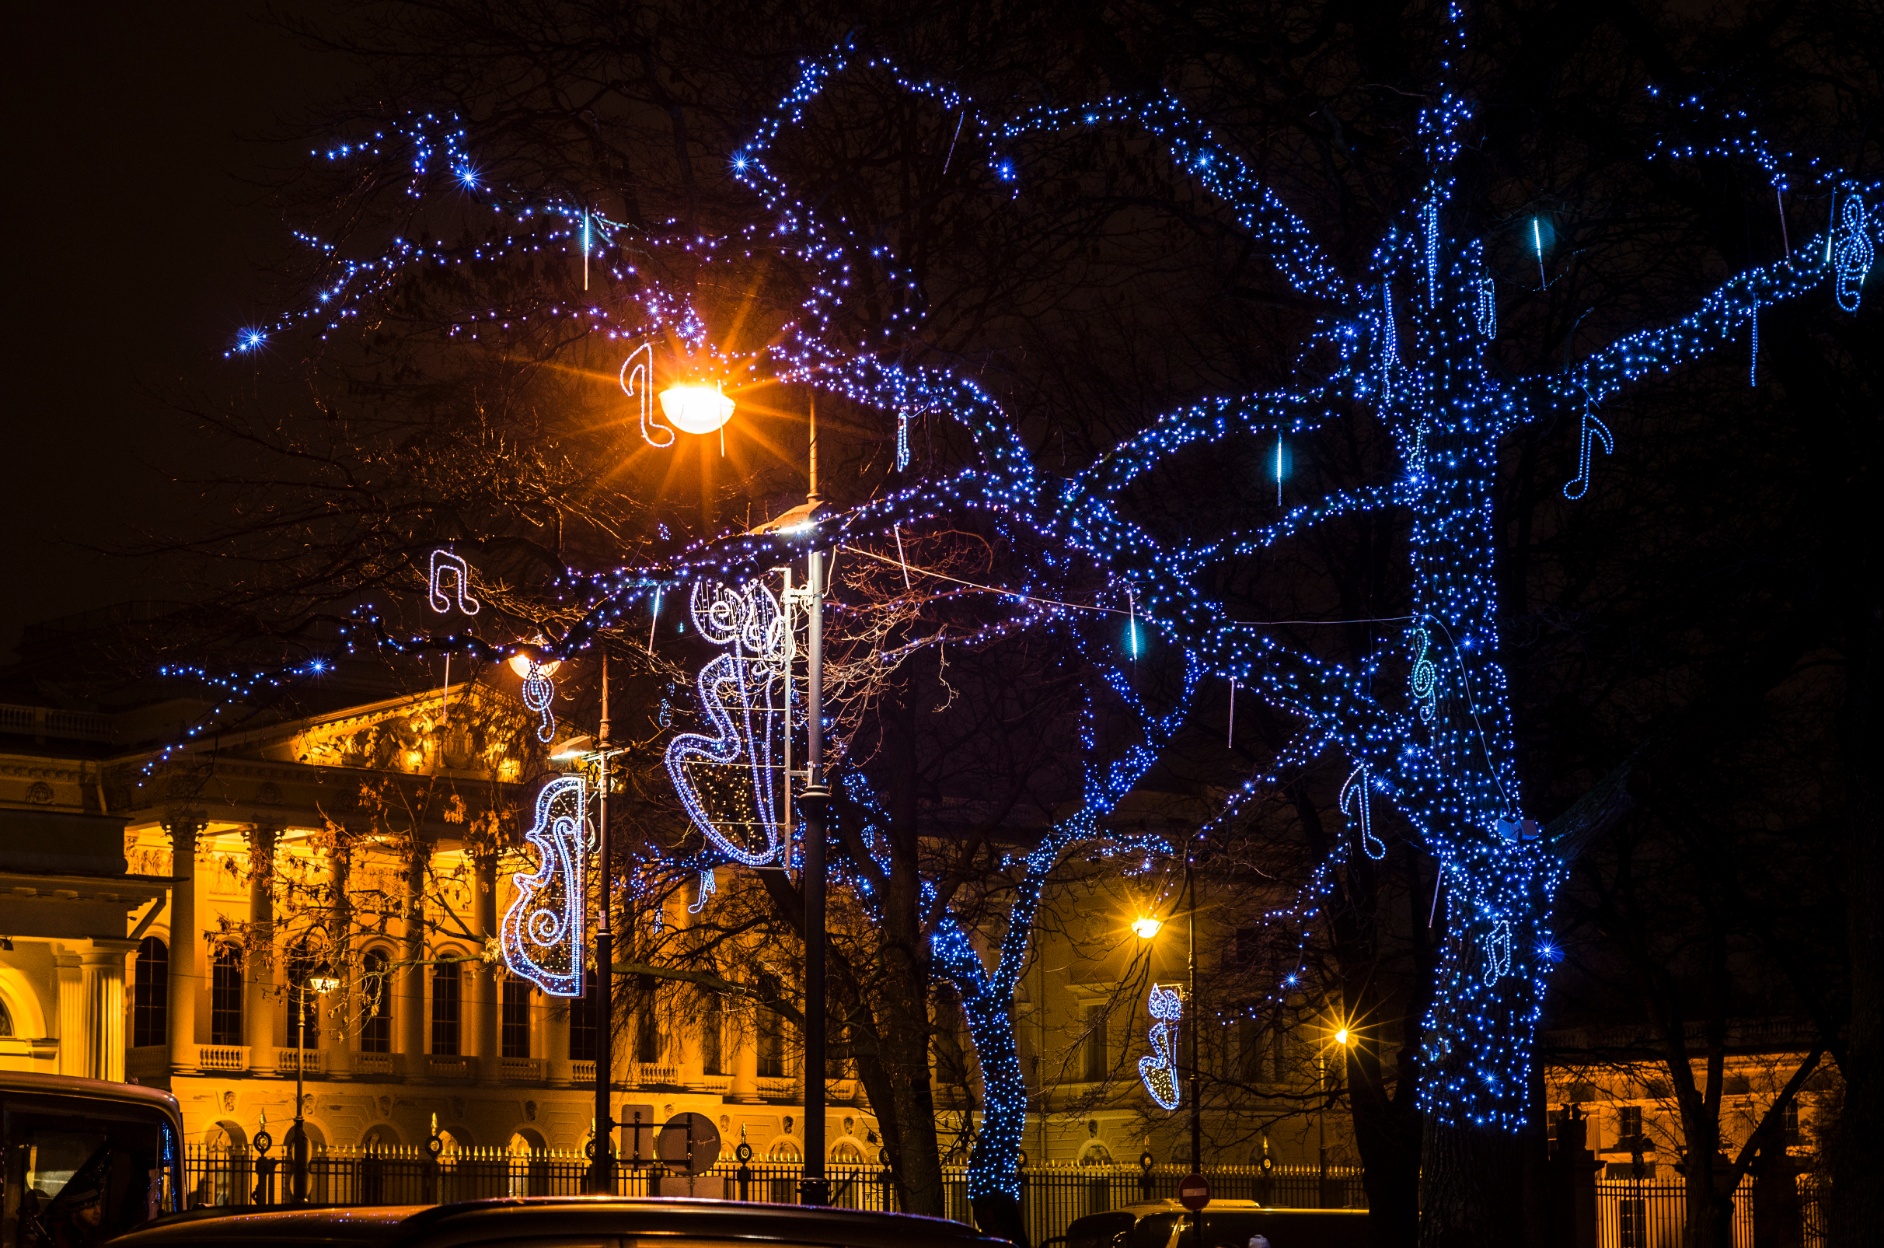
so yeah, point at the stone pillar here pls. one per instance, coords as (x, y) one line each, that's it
(409, 1003)
(337, 1010)
(489, 1002)
(259, 997)
(186, 943)
(745, 1087)
(73, 1045)
(102, 971)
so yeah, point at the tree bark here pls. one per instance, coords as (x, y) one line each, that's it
(1857, 1197)
(1471, 1183)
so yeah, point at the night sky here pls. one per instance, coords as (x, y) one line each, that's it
(135, 234)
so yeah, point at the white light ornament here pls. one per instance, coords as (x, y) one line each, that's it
(637, 382)
(445, 564)
(542, 932)
(1592, 433)
(1158, 1072)
(728, 780)
(1423, 683)
(539, 694)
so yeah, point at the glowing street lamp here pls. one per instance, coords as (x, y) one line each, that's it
(320, 984)
(693, 407)
(1146, 926)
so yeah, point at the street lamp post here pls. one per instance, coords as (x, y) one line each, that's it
(700, 409)
(602, 1165)
(815, 802)
(320, 986)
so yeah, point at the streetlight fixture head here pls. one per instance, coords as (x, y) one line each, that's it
(694, 407)
(322, 984)
(1343, 1037)
(573, 750)
(530, 654)
(1146, 926)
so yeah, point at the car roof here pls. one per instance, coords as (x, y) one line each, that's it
(1149, 1208)
(478, 1220)
(73, 1085)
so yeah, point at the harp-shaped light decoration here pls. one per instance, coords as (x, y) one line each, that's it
(728, 779)
(542, 932)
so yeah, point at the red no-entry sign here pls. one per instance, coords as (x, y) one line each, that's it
(1193, 1192)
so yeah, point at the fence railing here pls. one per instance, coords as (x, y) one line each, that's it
(1051, 1196)
(1654, 1215)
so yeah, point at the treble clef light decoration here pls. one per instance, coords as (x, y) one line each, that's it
(539, 695)
(1424, 682)
(1853, 252)
(1158, 1072)
(728, 780)
(637, 382)
(1354, 794)
(542, 934)
(1593, 431)
(444, 564)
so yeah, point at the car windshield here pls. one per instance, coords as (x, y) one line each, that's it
(77, 1178)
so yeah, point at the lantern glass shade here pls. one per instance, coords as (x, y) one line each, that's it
(695, 408)
(521, 662)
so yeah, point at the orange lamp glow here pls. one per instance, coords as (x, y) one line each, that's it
(696, 408)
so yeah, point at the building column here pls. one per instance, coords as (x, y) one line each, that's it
(745, 1087)
(73, 1044)
(186, 943)
(337, 1010)
(409, 1002)
(259, 955)
(102, 970)
(489, 1004)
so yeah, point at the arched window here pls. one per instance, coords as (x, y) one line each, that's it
(150, 993)
(6, 1020)
(225, 995)
(445, 1009)
(647, 1025)
(376, 990)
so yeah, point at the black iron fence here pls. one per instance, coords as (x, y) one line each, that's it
(1051, 1196)
(1654, 1215)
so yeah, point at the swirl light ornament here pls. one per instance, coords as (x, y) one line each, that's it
(542, 932)
(728, 780)
(1158, 1071)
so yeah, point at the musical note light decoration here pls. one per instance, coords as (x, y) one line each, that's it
(1353, 801)
(728, 779)
(637, 382)
(542, 932)
(445, 564)
(1158, 1070)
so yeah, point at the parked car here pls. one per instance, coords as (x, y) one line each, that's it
(558, 1222)
(1227, 1224)
(86, 1159)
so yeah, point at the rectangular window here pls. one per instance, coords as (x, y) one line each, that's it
(1629, 1126)
(150, 994)
(516, 1020)
(1098, 1052)
(225, 996)
(647, 1028)
(376, 989)
(582, 1025)
(712, 1036)
(445, 1009)
(771, 1045)
(1792, 1123)
(1249, 1051)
